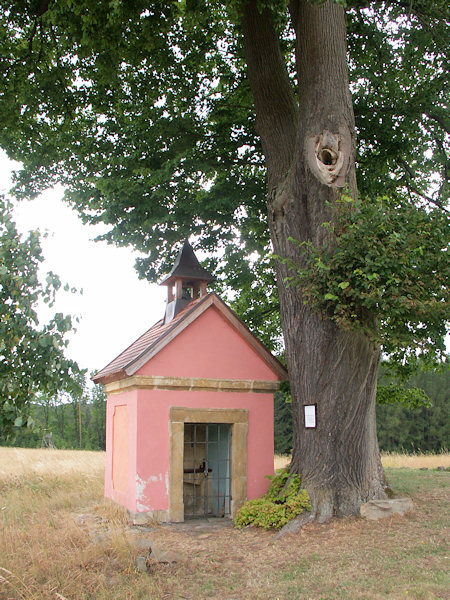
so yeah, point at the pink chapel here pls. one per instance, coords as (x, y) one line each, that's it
(189, 425)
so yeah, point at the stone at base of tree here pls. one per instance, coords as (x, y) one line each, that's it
(379, 509)
(295, 525)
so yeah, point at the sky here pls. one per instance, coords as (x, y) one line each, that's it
(115, 307)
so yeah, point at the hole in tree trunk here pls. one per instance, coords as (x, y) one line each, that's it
(327, 157)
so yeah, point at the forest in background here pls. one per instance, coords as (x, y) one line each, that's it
(57, 422)
(423, 429)
(399, 428)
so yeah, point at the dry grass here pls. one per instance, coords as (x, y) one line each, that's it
(280, 461)
(46, 549)
(30, 462)
(34, 462)
(415, 461)
(394, 460)
(59, 540)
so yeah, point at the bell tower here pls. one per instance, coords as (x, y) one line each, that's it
(186, 282)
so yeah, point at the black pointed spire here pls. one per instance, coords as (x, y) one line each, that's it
(190, 280)
(187, 266)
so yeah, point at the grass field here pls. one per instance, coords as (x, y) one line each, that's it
(394, 460)
(60, 540)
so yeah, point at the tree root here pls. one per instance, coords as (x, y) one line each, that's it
(296, 524)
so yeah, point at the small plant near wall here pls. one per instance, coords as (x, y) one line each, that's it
(284, 501)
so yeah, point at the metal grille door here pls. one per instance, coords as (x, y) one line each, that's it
(206, 466)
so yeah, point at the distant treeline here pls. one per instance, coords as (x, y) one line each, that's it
(399, 428)
(57, 423)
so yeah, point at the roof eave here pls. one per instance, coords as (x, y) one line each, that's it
(110, 377)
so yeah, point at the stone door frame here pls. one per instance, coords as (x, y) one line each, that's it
(238, 419)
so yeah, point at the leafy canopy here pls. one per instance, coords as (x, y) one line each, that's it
(32, 357)
(385, 273)
(143, 111)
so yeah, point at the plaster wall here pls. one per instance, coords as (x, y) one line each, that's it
(120, 470)
(153, 440)
(211, 348)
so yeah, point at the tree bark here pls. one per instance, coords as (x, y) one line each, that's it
(339, 461)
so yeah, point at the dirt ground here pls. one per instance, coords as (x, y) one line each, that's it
(60, 540)
(347, 558)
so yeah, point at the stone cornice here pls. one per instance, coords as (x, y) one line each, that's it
(191, 384)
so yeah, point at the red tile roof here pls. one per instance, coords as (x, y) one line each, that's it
(151, 342)
(142, 345)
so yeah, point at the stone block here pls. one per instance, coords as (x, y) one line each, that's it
(380, 509)
(141, 564)
(165, 556)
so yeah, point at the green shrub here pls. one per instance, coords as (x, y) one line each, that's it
(284, 501)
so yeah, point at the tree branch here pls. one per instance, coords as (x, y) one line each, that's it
(440, 120)
(445, 162)
(294, 11)
(276, 108)
(42, 8)
(412, 188)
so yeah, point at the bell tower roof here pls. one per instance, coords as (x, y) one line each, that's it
(189, 279)
(187, 267)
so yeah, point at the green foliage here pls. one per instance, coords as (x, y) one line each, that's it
(58, 415)
(384, 272)
(134, 108)
(424, 428)
(284, 501)
(398, 394)
(32, 357)
(409, 421)
(282, 422)
(255, 299)
(398, 55)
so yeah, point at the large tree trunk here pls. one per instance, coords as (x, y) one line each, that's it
(310, 157)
